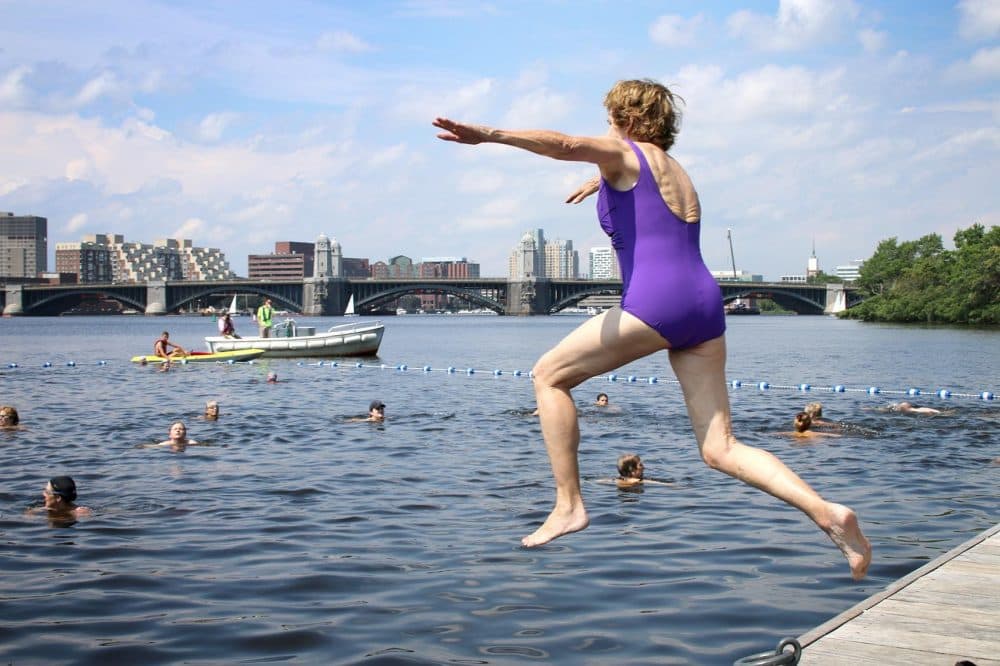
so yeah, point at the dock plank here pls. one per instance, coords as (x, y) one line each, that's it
(945, 611)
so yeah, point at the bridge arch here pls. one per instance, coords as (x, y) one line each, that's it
(570, 300)
(790, 300)
(380, 298)
(56, 303)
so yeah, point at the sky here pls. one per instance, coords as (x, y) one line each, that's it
(834, 123)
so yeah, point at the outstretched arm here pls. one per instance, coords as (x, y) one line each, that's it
(605, 151)
(585, 190)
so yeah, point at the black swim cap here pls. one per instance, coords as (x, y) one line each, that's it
(64, 486)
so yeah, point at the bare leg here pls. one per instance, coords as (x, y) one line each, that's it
(600, 344)
(701, 372)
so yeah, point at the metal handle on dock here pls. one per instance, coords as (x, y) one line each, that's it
(776, 658)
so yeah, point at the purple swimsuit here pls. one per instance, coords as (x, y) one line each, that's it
(665, 281)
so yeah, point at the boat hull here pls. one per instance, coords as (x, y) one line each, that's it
(247, 354)
(360, 340)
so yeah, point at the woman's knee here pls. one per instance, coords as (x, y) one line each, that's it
(716, 451)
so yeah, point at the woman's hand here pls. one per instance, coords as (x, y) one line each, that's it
(585, 190)
(461, 133)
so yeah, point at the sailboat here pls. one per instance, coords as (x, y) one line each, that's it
(233, 310)
(349, 310)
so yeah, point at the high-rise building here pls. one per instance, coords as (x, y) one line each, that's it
(164, 259)
(527, 258)
(290, 260)
(24, 245)
(849, 272)
(447, 267)
(89, 262)
(397, 267)
(561, 260)
(604, 264)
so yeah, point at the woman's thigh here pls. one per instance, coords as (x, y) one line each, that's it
(602, 343)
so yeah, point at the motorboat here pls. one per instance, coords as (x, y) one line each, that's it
(288, 339)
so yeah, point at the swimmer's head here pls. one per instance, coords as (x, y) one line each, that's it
(272, 378)
(143, 361)
(802, 421)
(211, 409)
(602, 399)
(814, 409)
(63, 487)
(178, 431)
(900, 407)
(630, 466)
(9, 416)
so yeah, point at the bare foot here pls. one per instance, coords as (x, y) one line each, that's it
(558, 523)
(846, 533)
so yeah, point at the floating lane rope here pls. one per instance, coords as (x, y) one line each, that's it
(941, 393)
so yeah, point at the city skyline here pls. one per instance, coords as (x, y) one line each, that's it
(845, 121)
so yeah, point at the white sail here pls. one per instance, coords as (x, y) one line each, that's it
(232, 307)
(349, 312)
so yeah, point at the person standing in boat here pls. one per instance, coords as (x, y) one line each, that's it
(670, 301)
(264, 314)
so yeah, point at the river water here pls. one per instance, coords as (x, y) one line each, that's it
(297, 537)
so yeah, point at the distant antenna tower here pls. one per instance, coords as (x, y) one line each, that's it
(729, 235)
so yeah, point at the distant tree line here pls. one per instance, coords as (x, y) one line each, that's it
(920, 281)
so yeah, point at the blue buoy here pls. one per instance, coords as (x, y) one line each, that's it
(944, 393)
(358, 365)
(299, 364)
(470, 371)
(631, 379)
(986, 395)
(497, 373)
(427, 368)
(230, 361)
(612, 377)
(913, 391)
(531, 374)
(763, 385)
(12, 365)
(102, 363)
(71, 364)
(653, 380)
(47, 364)
(451, 370)
(517, 373)
(839, 388)
(250, 362)
(736, 383)
(874, 390)
(804, 387)
(403, 367)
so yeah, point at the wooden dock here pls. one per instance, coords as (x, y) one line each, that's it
(946, 611)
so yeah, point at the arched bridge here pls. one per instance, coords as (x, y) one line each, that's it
(329, 296)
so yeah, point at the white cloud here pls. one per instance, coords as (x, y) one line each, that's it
(798, 23)
(213, 125)
(341, 40)
(538, 108)
(871, 40)
(13, 92)
(189, 229)
(984, 64)
(104, 84)
(421, 104)
(76, 223)
(481, 181)
(674, 31)
(979, 19)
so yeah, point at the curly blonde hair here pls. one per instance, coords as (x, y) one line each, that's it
(647, 109)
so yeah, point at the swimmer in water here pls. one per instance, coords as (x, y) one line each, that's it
(59, 495)
(376, 413)
(632, 472)
(908, 408)
(178, 438)
(803, 428)
(211, 411)
(602, 400)
(272, 378)
(9, 418)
